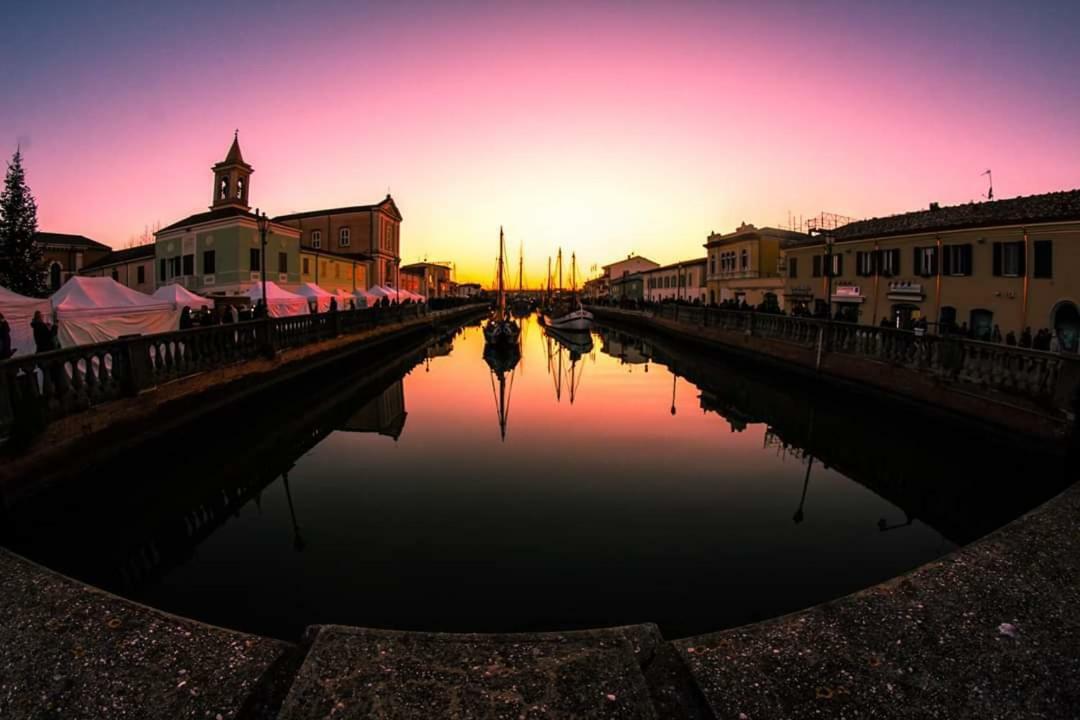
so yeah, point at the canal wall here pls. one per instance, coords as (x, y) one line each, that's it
(81, 406)
(1024, 392)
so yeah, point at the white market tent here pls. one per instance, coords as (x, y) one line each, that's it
(181, 297)
(314, 293)
(366, 298)
(382, 291)
(344, 297)
(18, 311)
(410, 295)
(98, 309)
(279, 302)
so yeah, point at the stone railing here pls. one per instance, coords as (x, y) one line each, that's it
(38, 389)
(1049, 379)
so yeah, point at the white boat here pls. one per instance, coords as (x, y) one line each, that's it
(580, 320)
(568, 314)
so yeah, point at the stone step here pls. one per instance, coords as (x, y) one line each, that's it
(351, 673)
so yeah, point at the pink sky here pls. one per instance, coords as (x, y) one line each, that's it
(606, 130)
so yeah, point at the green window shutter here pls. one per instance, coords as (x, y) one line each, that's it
(997, 259)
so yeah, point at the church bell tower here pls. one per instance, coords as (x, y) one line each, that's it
(232, 176)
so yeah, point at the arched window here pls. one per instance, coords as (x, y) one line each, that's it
(240, 188)
(223, 187)
(1066, 322)
(55, 272)
(744, 260)
(344, 238)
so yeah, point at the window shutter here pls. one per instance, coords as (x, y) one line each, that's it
(839, 265)
(817, 266)
(966, 254)
(933, 261)
(860, 264)
(916, 269)
(997, 259)
(946, 260)
(1044, 259)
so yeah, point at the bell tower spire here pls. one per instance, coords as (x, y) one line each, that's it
(232, 177)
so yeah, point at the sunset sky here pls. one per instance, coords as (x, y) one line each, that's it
(606, 128)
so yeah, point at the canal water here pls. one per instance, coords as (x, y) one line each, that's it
(607, 479)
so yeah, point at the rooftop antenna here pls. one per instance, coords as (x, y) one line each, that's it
(990, 193)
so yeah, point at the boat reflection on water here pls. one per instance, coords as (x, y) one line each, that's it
(502, 359)
(560, 344)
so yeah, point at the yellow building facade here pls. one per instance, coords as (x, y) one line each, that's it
(333, 272)
(989, 268)
(743, 266)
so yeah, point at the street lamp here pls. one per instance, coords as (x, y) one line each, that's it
(263, 223)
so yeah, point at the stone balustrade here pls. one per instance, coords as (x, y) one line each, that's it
(38, 389)
(1048, 379)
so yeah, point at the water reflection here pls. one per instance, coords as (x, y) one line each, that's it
(671, 486)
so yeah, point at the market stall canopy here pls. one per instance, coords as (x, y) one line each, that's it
(279, 302)
(98, 309)
(316, 294)
(366, 298)
(18, 310)
(181, 297)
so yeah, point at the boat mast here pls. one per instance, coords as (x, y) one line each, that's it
(502, 294)
(560, 269)
(521, 266)
(573, 272)
(547, 296)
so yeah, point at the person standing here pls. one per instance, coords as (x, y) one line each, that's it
(6, 350)
(44, 334)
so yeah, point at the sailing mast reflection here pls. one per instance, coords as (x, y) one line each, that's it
(559, 345)
(502, 359)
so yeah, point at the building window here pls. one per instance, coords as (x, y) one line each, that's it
(140, 274)
(926, 261)
(223, 187)
(816, 269)
(837, 264)
(864, 264)
(889, 262)
(174, 266)
(744, 260)
(283, 262)
(162, 270)
(189, 265)
(209, 262)
(1008, 259)
(712, 264)
(956, 260)
(1044, 259)
(793, 267)
(240, 188)
(253, 259)
(306, 265)
(343, 237)
(115, 275)
(316, 239)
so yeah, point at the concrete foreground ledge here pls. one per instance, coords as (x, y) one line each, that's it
(70, 651)
(355, 673)
(990, 631)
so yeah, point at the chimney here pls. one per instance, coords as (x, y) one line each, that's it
(934, 206)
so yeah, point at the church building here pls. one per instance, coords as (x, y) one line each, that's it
(219, 252)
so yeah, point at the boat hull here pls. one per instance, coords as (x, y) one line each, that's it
(580, 320)
(505, 332)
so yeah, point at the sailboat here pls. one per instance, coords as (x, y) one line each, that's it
(501, 328)
(522, 306)
(566, 313)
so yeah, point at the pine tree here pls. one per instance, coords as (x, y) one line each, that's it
(22, 264)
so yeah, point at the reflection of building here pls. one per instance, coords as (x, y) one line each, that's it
(1004, 263)
(679, 281)
(744, 265)
(383, 414)
(432, 280)
(66, 255)
(133, 267)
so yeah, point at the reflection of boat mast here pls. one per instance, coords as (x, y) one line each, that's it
(298, 541)
(674, 379)
(556, 372)
(798, 517)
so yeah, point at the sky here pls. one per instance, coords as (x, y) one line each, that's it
(602, 128)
